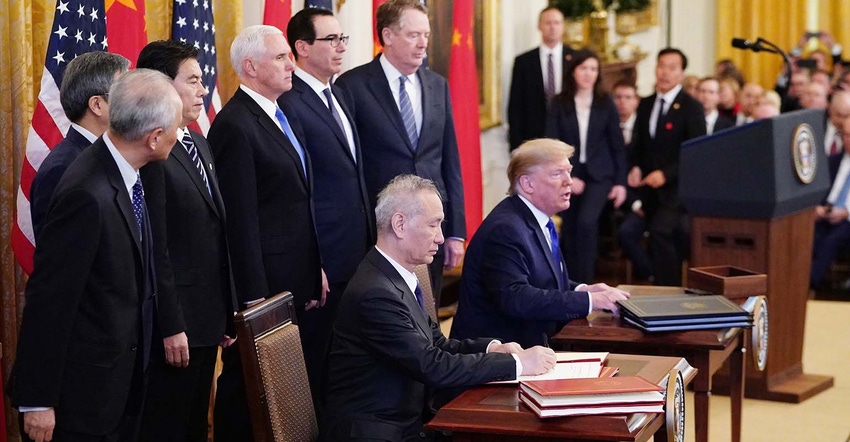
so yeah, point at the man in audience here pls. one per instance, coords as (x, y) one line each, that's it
(839, 116)
(84, 95)
(386, 353)
(748, 98)
(631, 230)
(815, 96)
(87, 326)
(195, 298)
(832, 226)
(708, 94)
(404, 118)
(537, 77)
(791, 99)
(515, 284)
(344, 222)
(264, 174)
(665, 120)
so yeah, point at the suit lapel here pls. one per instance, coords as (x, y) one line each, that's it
(531, 222)
(537, 75)
(122, 198)
(406, 295)
(273, 131)
(428, 94)
(315, 103)
(182, 156)
(383, 95)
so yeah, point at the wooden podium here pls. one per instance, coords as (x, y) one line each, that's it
(751, 191)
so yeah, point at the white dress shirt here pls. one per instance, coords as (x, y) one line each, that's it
(557, 62)
(710, 121)
(414, 91)
(319, 88)
(657, 112)
(831, 136)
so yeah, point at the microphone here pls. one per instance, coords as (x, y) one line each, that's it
(741, 43)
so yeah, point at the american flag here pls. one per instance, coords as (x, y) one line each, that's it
(194, 24)
(79, 26)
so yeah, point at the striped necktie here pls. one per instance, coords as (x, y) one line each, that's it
(189, 144)
(406, 109)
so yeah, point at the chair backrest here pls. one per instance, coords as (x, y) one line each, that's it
(424, 276)
(276, 384)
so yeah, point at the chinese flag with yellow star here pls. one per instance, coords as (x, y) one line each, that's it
(463, 87)
(125, 26)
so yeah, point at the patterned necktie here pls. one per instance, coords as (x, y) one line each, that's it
(658, 121)
(138, 205)
(189, 144)
(556, 250)
(550, 79)
(407, 113)
(287, 130)
(418, 294)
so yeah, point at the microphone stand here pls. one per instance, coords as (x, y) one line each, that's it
(774, 49)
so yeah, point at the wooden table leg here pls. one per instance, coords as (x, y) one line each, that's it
(702, 393)
(736, 389)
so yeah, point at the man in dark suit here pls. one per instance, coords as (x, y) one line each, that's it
(84, 97)
(665, 120)
(344, 220)
(195, 297)
(87, 325)
(832, 225)
(410, 131)
(265, 179)
(515, 285)
(386, 353)
(537, 77)
(708, 94)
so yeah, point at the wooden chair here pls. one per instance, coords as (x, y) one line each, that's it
(421, 272)
(276, 384)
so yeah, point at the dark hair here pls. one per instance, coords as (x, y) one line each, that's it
(570, 89)
(678, 52)
(166, 56)
(624, 83)
(389, 14)
(301, 26)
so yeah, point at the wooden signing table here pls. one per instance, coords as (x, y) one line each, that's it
(494, 412)
(706, 350)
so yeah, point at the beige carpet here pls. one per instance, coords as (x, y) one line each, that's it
(823, 418)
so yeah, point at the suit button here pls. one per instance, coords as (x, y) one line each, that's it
(422, 435)
(132, 348)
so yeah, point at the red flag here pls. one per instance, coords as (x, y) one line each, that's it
(463, 86)
(376, 42)
(277, 13)
(126, 28)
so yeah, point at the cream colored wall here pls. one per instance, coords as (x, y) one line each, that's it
(692, 30)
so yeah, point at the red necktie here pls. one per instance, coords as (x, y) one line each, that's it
(833, 149)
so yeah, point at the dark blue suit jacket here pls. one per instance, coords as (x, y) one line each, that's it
(387, 151)
(344, 220)
(606, 152)
(386, 354)
(510, 288)
(49, 173)
(86, 329)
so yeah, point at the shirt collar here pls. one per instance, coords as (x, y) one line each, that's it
(541, 218)
(84, 132)
(128, 174)
(311, 81)
(556, 52)
(268, 106)
(630, 122)
(670, 95)
(392, 73)
(408, 276)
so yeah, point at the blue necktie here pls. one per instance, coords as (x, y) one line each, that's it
(418, 294)
(331, 106)
(841, 201)
(138, 204)
(189, 143)
(287, 130)
(556, 250)
(407, 113)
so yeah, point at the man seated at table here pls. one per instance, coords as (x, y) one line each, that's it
(514, 284)
(386, 354)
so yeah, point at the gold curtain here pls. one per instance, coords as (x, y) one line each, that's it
(780, 22)
(24, 30)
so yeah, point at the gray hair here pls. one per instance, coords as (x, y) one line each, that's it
(400, 197)
(88, 75)
(142, 100)
(250, 43)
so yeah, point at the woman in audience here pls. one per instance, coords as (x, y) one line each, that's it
(586, 118)
(729, 106)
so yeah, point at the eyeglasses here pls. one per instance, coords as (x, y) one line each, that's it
(335, 39)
